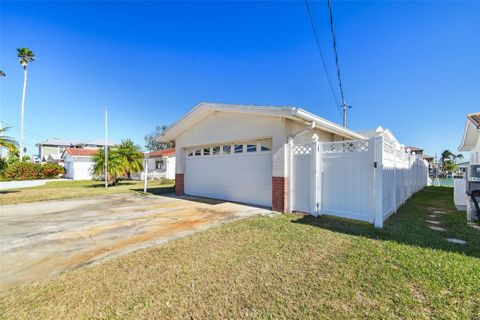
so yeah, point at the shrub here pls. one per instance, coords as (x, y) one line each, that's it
(52, 170)
(29, 170)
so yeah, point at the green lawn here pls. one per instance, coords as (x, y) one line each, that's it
(74, 189)
(285, 266)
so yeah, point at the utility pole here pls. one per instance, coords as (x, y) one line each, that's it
(145, 176)
(106, 148)
(345, 107)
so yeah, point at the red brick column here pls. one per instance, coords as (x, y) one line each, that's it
(179, 184)
(279, 194)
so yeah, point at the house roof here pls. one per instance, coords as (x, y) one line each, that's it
(77, 152)
(58, 142)
(426, 156)
(204, 109)
(66, 143)
(162, 153)
(471, 132)
(98, 142)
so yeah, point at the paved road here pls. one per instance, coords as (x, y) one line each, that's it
(45, 238)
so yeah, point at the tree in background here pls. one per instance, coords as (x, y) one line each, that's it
(116, 165)
(8, 142)
(448, 161)
(132, 156)
(2, 74)
(25, 56)
(151, 144)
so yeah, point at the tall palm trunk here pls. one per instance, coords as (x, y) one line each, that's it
(23, 111)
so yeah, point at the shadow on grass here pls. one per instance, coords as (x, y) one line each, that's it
(408, 225)
(161, 190)
(8, 191)
(101, 184)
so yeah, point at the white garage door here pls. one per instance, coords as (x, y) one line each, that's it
(237, 172)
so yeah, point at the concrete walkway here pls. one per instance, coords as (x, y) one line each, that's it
(4, 185)
(45, 238)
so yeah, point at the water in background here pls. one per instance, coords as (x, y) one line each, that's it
(445, 182)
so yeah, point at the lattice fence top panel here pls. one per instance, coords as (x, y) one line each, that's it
(302, 149)
(345, 146)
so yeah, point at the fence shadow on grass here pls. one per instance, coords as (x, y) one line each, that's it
(160, 190)
(408, 225)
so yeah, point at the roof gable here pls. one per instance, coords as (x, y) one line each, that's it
(470, 133)
(203, 110)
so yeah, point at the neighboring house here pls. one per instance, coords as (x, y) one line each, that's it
(161, 164)
(415, 150)
(78, 163)
(55, 147)
(470, 143)
(428, 158)
(266, 156)
(55, 158)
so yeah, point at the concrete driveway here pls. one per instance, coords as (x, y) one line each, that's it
(45, 238)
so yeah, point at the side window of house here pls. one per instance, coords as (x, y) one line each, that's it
(159, 164)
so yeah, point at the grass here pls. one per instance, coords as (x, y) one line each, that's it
(286, 266)
(75, 189)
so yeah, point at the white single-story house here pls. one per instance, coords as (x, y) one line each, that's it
(161, 164)
(251, 154)
(78, 163)
(471, 143)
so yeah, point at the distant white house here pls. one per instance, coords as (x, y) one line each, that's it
(78, 163)
(161, 164)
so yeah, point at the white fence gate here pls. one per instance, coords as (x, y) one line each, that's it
(364, 180)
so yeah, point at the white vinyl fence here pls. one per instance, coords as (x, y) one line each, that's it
(365, 180)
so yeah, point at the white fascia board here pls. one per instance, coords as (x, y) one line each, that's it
(470, 136)
(325, 124)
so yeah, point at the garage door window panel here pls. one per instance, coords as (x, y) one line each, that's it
(238, 148)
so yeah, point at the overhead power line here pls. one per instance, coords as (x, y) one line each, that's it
(344, 106)
(317, 41)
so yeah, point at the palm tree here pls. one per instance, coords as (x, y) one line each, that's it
(116, 165)
(132, 156)
(446, 155)
(6, 141)
(459, 157)
(25, 56)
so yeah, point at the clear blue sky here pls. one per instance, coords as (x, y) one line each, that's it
(413, 67)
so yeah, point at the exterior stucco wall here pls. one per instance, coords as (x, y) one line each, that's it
(46, 150)
(168, 170)
(225, 127)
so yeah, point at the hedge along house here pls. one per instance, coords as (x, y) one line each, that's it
(270, 156)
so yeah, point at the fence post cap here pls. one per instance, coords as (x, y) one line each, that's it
(315, 137)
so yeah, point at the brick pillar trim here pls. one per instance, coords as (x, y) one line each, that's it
(179, 184)
(279, 194)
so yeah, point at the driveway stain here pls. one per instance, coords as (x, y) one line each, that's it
(42, 239)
